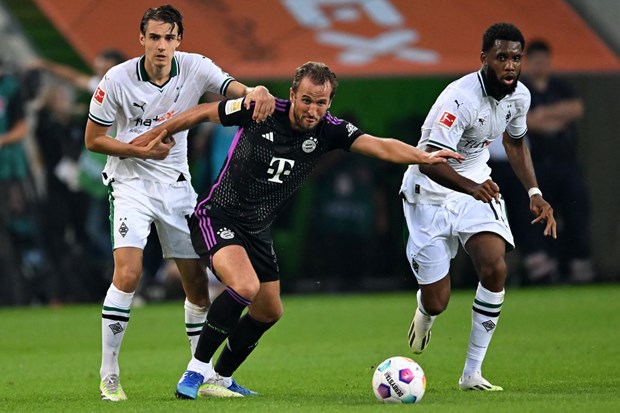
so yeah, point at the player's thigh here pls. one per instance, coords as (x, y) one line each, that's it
(232, 266)
(430, 245)
(194, 280)
(267, 305)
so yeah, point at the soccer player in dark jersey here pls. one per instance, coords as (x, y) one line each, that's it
(231, 226)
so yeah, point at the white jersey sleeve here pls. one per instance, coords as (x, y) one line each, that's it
(517, 126)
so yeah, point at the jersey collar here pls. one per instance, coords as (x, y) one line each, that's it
(482, 84)
(144, 76)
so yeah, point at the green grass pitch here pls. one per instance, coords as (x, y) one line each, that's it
(555, 350)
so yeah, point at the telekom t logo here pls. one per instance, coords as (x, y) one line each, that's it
(279, 166)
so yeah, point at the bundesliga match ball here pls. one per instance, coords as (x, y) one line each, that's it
(399, 380)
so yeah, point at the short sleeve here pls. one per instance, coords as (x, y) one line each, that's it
(103, 106)
(340, 133)
(453, 114)
(216, 79)
(517, 127)
(233, 112)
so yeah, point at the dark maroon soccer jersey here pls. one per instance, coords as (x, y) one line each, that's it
(268, 162)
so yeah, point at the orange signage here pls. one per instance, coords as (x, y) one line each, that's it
(264, 39)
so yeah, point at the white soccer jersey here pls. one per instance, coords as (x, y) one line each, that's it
(127, 96)
(465, 119)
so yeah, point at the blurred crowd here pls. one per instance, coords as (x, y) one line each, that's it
(343, 232)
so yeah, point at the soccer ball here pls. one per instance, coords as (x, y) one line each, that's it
(399, 380)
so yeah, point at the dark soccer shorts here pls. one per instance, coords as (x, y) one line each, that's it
(212, 230)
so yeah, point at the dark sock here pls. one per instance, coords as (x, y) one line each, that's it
(240, 344)
(222, 318)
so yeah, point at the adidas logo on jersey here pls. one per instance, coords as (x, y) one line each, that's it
(268, 136)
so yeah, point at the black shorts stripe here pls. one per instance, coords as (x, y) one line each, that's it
(494, 211)
(486, 313)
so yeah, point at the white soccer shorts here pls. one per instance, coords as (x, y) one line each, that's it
(435, 230)
(136, 203)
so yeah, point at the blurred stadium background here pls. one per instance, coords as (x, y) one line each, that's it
(392, 58)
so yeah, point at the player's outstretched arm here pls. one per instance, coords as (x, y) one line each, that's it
(97, 140)
(185, 120)
(395, 151)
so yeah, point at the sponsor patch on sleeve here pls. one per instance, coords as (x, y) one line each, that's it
(99, 96)
(447, 120)
(233, 106)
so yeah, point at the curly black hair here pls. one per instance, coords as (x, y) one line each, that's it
(501, 31)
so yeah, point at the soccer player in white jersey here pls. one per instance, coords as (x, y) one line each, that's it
(152, 183)
(445, 204)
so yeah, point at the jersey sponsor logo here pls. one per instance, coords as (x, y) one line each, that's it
(233, 106)
(309, 145)
(279, 167)
(268, 136)
(139, 121)
(447, 119)
(351, 128)
(99, 96)
(225, 233)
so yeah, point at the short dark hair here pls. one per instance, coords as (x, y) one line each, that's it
(501, 31)
(165, 14)
(318, 73)
(538, 45)
(114, 55)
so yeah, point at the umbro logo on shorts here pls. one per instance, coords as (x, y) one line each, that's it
(225, 233)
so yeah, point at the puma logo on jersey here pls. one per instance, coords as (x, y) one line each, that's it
(268, 136)
(140, 106)
(279, 167)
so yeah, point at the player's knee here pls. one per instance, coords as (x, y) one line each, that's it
(126, 279)
(247, 288)
(494, 274)
(436, 306)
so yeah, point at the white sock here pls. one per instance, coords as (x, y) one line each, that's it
(114, 320)
(485, 315)
(206, 369)
(427, 320)
(195, 317)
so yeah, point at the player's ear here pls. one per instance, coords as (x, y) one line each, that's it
(142, 39)
(291, 94)
(483, 58)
